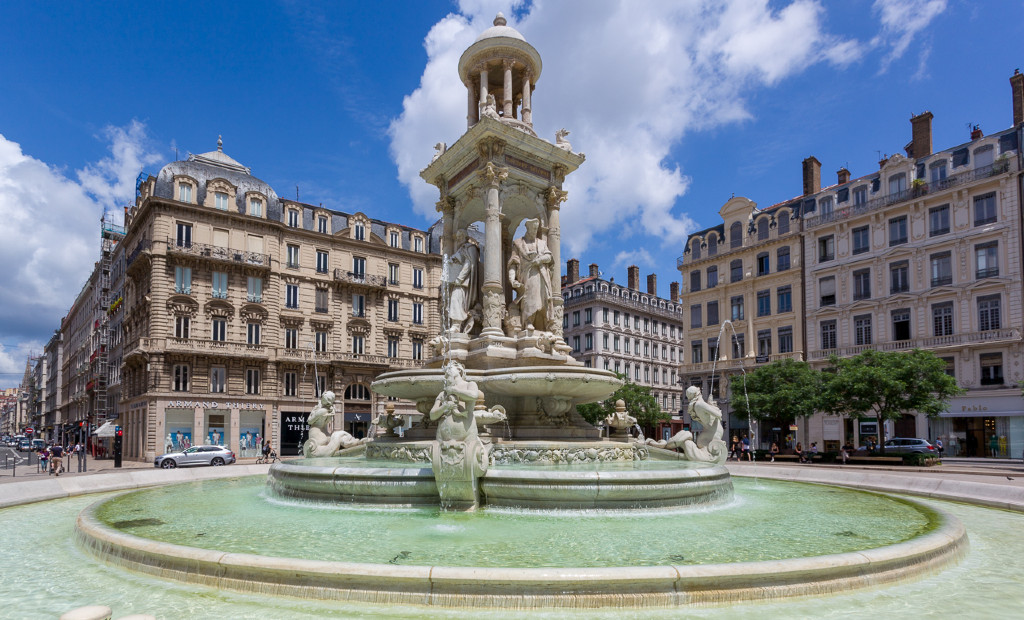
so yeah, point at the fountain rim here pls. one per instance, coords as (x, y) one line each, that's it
(547, 587)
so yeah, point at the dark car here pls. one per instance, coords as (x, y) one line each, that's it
(196, 455)
(907, 445)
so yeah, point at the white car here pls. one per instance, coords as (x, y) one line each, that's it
(196, 455)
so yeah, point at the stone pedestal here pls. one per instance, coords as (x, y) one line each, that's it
(458, 466)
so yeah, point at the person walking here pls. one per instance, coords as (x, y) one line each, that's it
(745, 447)
(938, 446)
(734, 449)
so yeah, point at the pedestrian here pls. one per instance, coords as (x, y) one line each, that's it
(745, 446)
(56, 464)
(844, 452)
(773, 451)
(801, 457)
(938, 446)
(734, 449)
(813, 451)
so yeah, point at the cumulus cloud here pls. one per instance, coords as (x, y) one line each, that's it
(901, 21)
(629, 79)
(50, 238)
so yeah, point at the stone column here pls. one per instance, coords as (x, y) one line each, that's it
(472, 107)
(483, 87)
(555, 198)
(527, 112)
(492, 289)
(507, 65)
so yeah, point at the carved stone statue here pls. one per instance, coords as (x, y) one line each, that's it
(319, 442)
(621, 421)
(459, 457)
(439, 149)
(529, 273)
(560, 140)
(491, 108)
(708, 446)
(387, 420)
(464, 284)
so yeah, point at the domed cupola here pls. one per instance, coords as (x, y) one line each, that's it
(502, 65)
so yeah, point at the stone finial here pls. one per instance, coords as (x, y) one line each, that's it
(499, 20)
(220, 145)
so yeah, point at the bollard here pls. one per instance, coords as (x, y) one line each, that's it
(90, 612)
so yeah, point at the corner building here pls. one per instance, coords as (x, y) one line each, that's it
(240, 307)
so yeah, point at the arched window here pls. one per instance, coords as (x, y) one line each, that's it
(783, 220)
(762, 228)
(712, 244)
(357, 391)
(735, 235)
(696, 248)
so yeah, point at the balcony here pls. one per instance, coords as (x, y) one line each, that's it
(992, 336)
(218, 253)
(216, 347)
(358, 279)
(622, 302)
(141, 247)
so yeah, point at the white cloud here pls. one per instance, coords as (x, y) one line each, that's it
(901, 21)
(50, 238)
(629, 79)
(640, 258)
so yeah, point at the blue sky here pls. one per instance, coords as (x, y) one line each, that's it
(678, 106)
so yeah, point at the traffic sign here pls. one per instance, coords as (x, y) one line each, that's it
(29, 431)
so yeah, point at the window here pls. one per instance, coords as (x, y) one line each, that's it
(253, 334)
(764, 342)
(862, 330)
(988, 313)
(184, 192)
(897, 183)
(860, 195)
(394, 239)
(762, 264)
(291, 338)
(220, 201)
(616, 344)
(417, 278)
(785, 340)
(636, 322)
(320, 341)
(358, 305)
(736, 270)
(937, 172)
(604, 315)
(588, 341)
(738, 346)
(604, 342)
(218, 379)
(256, 207)
(825, 204)
(321, 300)
(321, 224)
(712, 350)
(861, 240)
(898, 230)
(695, 249)
(862, 284)
(827, 291)
(942, 269)
(289, 383)
(393, 310)
(899, 277)
(291, 296)
(764, 303)
(359, 231)
(357, 345)
(984, 156)
(712, 277)
(293, 256)
(565, 321)
(783, 224)
(828, 334)
(784, 299)
(826, 248)
(181, 327)
(991, 368)
(696, 352)
(184, 237)
(901, 324)
(712, 245)
(576, 318)
(321, 261)
(695, 281)
(220, 285)
(782, 259)
(417, 348)
(252, 380)
(615, 320)
(736, 303)
(417, 244)
(938, 220)
(986, 256)
(636, 372)
(762, 229)
(392, 273)
(950, 366)
(254, 290)
(712, 313)
(219, 331)
(359, 267)
(695, 316)
(588, 316)
(417, 313)
(942, 319)
(183, 280)
(293, 218)
(180, 378)
(576, 344)
(735, 235)
(985, 209)
(392, 347)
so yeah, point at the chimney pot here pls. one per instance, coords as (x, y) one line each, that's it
(652, 285)
(921, 135)
(1017, 88)
(572, 271)
(594, 271)
(633, 277)
(843, 176)
(673, 291)
(812, 176)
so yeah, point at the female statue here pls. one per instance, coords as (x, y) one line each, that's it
(529, 272)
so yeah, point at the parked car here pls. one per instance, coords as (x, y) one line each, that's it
(196, 455)
(906, 445)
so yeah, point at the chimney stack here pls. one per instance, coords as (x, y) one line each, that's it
(594, 271)
(673, 291)
(633, 277)
(1017, 86)
(652, 285)
(921, 135)
(843, 175)
(572, 271)
(812, 175)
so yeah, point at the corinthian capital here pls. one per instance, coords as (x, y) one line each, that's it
(494, 174)
(446, 204)
(556, 197)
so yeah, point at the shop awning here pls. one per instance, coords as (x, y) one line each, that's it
(105, 430)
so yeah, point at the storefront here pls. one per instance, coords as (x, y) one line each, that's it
(240, 426)
(989, 426)
(294, 431)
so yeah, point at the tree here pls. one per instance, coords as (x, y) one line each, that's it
(640, 404)
(884, 385)
(781, 391)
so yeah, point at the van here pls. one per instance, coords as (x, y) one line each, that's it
(38, 444)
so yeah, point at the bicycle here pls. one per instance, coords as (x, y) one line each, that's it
(271, 457)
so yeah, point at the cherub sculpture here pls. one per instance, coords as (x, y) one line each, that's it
(319, 442)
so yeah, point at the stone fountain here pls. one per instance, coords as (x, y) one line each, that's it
(501, 388)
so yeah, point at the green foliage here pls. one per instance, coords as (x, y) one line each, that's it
(640, 404)
(885, 385)
(783, 390)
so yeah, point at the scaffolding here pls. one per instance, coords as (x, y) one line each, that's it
(110, 236)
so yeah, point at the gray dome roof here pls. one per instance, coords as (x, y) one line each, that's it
(500, 29)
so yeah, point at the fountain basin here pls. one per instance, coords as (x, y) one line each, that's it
(579, 384)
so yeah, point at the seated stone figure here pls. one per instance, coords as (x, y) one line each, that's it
(708, 445)
(319, 442)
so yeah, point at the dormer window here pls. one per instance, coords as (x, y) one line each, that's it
(321, 224)
(220, 200)
(359, 231)
(184, 192)
(256, 207)
(417, 244)
(394, 239)
(293, 218)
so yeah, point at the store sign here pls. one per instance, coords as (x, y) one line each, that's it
(985, 406)
(294, 430)
(191, 404)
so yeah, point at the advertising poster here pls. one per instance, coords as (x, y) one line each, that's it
(249, 442)
(180, 438)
